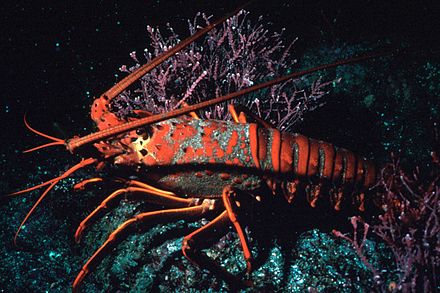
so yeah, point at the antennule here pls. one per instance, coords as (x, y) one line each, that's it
(55, 140)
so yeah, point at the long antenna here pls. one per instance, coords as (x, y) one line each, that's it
(74, 143)
(141, 71)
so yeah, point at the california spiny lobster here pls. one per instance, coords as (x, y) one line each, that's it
(190, 162)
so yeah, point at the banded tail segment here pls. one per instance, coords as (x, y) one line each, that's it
(303, 159)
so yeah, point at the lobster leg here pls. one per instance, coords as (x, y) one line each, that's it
(246, 112)
(231, 204)
(192, 114)
(152, 195)
(237, 118)
(82, 185)
(158, 191)
(209, 234)
(204, 237)
(136, 223)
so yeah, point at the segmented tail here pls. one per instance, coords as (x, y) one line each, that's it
(319, 166)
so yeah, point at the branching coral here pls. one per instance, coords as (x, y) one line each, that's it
(232, 57)
(409, 225)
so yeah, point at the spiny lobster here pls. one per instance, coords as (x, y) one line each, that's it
(202, 168)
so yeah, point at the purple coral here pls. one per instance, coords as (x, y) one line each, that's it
(409, 225)
(236, 55)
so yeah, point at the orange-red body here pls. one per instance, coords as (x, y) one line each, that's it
(197, 158)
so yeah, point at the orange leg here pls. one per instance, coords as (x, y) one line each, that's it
(231, 205)
(82, 185)
(192, 114)
(231, 109)
(244, 114)
(245, 111)
(238, 118)
(136, 223)
(209, 234)
(204, 237)
(145, 192)
(135, 183)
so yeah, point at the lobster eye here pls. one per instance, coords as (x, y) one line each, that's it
(145, 132)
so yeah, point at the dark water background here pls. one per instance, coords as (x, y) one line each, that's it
(56, 56)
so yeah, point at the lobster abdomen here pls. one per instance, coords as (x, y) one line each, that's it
(304, 157)
(298, 159)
